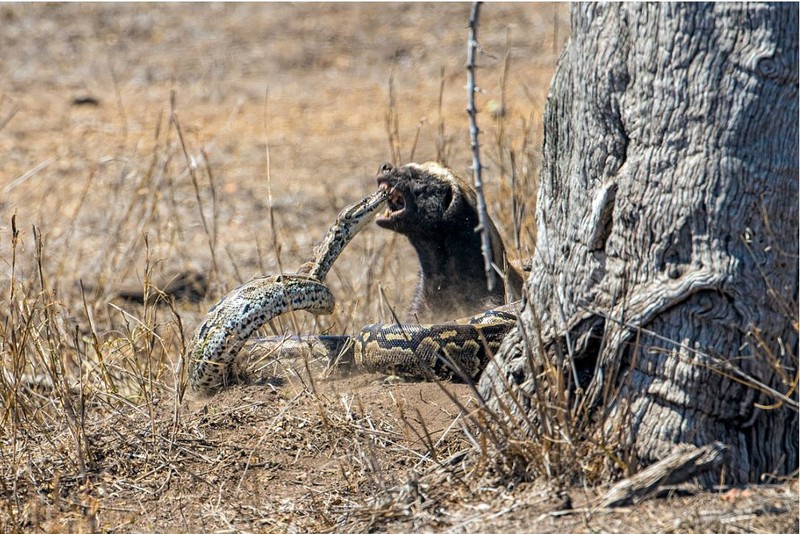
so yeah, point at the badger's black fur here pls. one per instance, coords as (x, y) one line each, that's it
(438, 214)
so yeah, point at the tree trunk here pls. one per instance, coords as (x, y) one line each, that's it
(666, 273)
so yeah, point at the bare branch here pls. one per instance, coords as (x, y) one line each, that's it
(483, 227)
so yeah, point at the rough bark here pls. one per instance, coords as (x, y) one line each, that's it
(667, 262)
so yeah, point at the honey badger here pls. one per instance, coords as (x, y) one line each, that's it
(437, 212)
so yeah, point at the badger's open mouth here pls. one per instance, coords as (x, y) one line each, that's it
(395, 205)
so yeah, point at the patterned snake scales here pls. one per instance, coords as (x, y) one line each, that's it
(451, 351)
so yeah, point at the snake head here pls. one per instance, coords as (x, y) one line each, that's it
(357, 216)
(422, 198)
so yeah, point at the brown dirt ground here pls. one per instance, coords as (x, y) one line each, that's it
(289, 102)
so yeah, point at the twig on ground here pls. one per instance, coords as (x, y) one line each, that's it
(680, 466)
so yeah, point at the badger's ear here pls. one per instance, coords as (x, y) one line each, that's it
(447, 199)
(385, 168)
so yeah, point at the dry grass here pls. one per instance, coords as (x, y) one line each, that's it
(225, 140)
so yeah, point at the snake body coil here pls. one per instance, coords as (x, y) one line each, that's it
(229, 323)
(456, 351)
